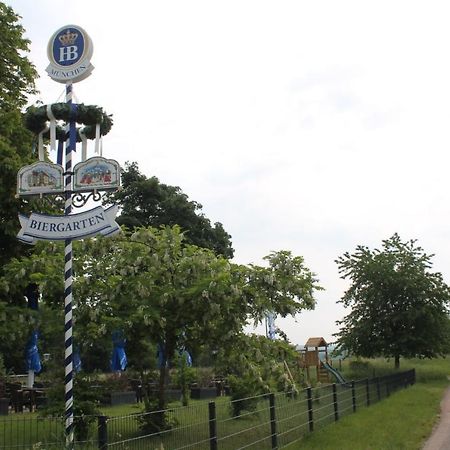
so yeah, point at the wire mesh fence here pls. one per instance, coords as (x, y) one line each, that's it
(268, 421)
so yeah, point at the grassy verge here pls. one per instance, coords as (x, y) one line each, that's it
(403, 421)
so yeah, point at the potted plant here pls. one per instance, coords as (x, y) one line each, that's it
(118, 390)
(205, 387)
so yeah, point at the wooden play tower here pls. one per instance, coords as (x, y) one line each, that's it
(311, 354)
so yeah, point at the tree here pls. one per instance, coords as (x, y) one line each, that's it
(399, 307)
(256, 365)
(17, 76)
(285, 287)
(148, 202)
(157, 288)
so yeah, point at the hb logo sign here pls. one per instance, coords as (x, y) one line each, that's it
(69, 52)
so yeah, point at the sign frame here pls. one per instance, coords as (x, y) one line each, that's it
(73, 49)
(41, 173)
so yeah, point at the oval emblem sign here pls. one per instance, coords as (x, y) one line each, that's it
(69, 51)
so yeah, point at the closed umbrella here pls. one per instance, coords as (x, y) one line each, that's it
(118, 357)
(32, 358)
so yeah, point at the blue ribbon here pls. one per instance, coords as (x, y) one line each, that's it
(73, 128)
(59, 156)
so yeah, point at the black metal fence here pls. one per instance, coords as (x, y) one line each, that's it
(269, 421)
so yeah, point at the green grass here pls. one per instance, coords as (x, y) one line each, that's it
(403, 421)
(426, 369)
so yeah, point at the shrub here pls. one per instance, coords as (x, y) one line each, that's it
(244, 394)
(153, 420)
(85, 407)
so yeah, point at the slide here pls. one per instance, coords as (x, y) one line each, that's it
(334, 372)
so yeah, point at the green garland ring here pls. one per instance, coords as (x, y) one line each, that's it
(36, 119)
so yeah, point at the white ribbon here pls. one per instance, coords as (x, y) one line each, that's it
(52, 128)
(41, 153)
(83, 144)
(97, 138)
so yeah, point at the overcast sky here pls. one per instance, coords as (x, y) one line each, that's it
(306, 126)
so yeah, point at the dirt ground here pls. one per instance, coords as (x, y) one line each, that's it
(440, 438)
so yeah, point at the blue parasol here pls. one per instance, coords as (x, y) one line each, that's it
(118, 358)
(32, 360)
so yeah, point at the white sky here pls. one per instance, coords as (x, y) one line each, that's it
(306, 126)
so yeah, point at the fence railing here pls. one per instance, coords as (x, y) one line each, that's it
(269, 421)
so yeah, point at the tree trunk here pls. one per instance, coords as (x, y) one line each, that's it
(162, 385)
(163, 375)
(397, 362)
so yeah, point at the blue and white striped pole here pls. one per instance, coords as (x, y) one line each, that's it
(68, 355)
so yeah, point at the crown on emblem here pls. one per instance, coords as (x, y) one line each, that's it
(68, 38)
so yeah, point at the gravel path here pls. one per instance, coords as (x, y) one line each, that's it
(440, 438)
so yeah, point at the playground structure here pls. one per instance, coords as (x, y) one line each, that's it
(315, 354)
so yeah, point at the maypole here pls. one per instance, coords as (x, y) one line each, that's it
(68, 355)
(69, 52)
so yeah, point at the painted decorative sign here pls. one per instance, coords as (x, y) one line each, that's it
(40, 178)
(42, 227)
(96, 173)
(69, 51)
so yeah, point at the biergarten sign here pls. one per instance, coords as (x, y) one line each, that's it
(76, 226)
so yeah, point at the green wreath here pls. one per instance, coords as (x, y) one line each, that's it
(36, 119)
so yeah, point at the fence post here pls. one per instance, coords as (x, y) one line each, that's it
(388, 390)
(335, 402)
(310, 409)
(378, 389)
(102, 432)
(367, 392)
(212, 426)
(353, 396)
(273, 422)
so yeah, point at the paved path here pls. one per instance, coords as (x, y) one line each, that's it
(440, 438)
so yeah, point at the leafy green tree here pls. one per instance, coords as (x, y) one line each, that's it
(156, 288)
(399, 308)
(285, 287)
(44, 268)
(255, 365)
(17, 75)
(148, 202)
(159, 289)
